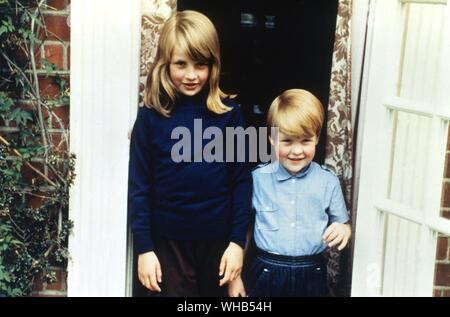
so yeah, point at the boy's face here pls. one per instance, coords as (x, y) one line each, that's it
(188, 76)
(294, 153)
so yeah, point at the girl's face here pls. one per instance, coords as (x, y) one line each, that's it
(294, 153)
(188, 76)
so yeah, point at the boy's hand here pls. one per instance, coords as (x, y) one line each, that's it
(337, 233)
(231, 263)
(149, 271)
(236, 288)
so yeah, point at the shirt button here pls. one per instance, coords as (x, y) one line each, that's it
(292, 202)
(293, 224)
(293, 180)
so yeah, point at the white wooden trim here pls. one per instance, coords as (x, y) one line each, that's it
(368, 259)
(105, 41)
(418, 108)
(384, 241)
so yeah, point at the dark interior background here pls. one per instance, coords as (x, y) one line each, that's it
(284, 44)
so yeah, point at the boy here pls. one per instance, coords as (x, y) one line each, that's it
(300, 209)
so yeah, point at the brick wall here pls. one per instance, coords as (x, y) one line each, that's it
(442, 269)
(55, 49)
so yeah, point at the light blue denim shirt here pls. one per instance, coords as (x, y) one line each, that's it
(293, 211)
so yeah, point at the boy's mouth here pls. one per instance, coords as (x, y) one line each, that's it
(295, 159)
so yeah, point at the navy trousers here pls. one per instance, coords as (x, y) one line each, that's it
(274, 275)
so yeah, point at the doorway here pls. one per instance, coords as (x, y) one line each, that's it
(268, 47)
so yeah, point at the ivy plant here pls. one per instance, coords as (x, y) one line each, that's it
(36, 172)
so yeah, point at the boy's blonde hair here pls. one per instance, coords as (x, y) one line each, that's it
(195, 35)
(296, 112)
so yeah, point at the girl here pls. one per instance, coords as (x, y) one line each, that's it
(189, 219)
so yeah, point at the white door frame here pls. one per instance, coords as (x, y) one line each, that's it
(386, 40)
(105, 46)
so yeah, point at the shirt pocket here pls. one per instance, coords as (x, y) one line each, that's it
(267, 216)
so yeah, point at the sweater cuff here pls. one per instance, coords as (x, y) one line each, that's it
(142, 242)
(239, 241)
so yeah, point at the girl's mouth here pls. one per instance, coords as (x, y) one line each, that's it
(190, 86)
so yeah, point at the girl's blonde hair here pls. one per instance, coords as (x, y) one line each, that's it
(194, 34)
(296, 112)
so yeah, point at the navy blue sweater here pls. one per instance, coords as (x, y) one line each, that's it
(186, 200)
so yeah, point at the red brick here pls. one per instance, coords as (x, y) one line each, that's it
(63, 113)
(48, 88)
(437, 293)
(59, 144)
(68, 57)
(442, 276)
(442, 247)
(54, 55)
(57, 28)
(35, 202)
(56, 4)
(59, 284)
(446, 195)
(56, 289)
(445, 214)
(30, 176)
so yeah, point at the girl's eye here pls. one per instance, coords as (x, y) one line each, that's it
(180, 63)
(202, 64)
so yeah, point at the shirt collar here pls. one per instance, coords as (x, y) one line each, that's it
(282, 174)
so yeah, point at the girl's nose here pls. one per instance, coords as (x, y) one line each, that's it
(191, 75)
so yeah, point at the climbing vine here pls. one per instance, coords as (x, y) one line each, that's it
(36, 167)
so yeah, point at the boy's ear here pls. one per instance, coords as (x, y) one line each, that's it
(271, 141)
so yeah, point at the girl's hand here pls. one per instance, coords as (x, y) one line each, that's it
(337, 233)
(231, 263)
(149, 271)
(236, 288)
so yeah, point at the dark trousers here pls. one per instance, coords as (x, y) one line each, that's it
(190, 268)
(274, 275)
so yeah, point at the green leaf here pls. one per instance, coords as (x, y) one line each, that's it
(3, 29)
(21, 117)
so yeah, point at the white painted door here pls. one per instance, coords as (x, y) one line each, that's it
(403, 148)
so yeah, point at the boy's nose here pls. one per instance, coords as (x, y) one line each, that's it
(297, 149)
